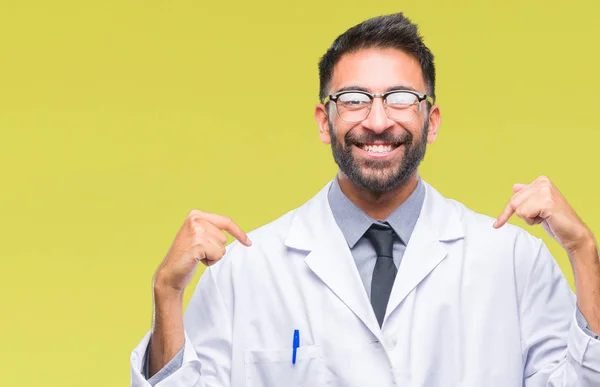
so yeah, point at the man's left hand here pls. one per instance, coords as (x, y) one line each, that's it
(541, 202)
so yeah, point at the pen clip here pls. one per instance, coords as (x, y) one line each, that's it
(295, 345)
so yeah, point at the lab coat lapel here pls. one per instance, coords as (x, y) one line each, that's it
(314, 229)
(438, 223)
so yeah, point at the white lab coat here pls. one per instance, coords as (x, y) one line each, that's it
(471, 306)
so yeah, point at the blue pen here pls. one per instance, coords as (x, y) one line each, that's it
(295, 345)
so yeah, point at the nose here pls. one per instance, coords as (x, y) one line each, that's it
(377, 120)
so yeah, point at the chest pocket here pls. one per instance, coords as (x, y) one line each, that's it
(274, 368)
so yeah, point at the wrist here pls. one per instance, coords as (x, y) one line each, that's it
(585, 253)
(164, 290)
(586, 268)
(166, 294)
(168, 310)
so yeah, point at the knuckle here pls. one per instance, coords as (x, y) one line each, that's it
(199, 229)
(546, 189)
(193, 219)
(192, 225)
(193, 214)
(543, 179)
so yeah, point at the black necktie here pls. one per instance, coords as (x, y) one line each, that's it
(382, 238)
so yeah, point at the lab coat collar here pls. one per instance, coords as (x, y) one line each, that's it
(313, 229)
(354, 222)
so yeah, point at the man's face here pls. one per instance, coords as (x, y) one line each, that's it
(377, 153)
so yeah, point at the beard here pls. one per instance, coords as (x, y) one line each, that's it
(379, 175)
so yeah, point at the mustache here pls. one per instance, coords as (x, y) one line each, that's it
(387, 137)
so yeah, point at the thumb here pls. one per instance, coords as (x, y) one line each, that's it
(517, 187)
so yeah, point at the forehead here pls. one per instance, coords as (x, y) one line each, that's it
(377, 70)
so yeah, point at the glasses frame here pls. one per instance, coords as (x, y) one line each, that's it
(420, 98)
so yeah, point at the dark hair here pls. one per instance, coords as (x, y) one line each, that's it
(389, 31)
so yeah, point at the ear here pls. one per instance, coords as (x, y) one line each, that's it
(435, 120)
(321, 117)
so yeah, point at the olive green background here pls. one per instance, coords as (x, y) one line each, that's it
(118, 117)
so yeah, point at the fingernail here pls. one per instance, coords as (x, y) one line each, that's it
(496, 223)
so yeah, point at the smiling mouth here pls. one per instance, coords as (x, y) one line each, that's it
(378, 148)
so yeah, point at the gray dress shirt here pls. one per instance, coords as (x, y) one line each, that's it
(354, 222)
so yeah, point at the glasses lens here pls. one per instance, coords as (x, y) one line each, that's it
(353, 107)
(402, 106)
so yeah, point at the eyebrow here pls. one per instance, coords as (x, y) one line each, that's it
(392, 88)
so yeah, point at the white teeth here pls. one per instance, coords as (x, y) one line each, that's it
(378, 148)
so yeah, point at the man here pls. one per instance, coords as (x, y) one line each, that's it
(379, 280)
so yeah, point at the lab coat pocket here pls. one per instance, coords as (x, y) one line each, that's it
(274, 368)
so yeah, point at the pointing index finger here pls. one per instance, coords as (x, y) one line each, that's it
(504, 216)
(227, 224)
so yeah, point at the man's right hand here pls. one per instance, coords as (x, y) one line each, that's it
(201, 239)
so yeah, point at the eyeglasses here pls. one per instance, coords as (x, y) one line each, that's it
(399, 105)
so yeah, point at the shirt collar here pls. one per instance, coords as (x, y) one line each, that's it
(354, 222)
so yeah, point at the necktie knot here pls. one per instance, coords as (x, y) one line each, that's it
(381, 237)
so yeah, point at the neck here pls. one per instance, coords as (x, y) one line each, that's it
(378, 205)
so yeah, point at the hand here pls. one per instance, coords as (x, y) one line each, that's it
(200, 239)
(541, 202)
